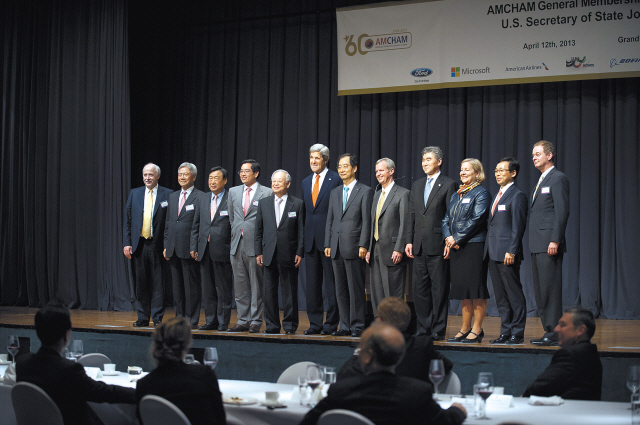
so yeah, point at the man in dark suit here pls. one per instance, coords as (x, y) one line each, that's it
(575, 372)
(210, 245)
(430, 198)
(65, 381)
(143, 238)
(279, 248)
(185, 271)
(316, 189)
(346, 241)
(390, 230)
(506, 224)
(381, 395)
(548, 216)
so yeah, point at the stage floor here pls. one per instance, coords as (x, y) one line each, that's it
(613, 336)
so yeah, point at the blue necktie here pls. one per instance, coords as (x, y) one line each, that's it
(427, 191)
(344, 198)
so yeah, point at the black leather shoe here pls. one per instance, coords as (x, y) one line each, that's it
(544, 342)
(158, 323)
(311, 331)
(290, 332)
(141, 323)
(503, 339)
(459, 338)
(326, 332)
(208, 327)
(437, 337)
(515, 340)
(341, 332)
(223, 328)
(478, 338)
(272, 331)
(356, 334)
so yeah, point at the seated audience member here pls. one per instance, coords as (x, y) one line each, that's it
(65, 381)
(192, 388)
(575, 371)
(419, 349)
(380, 394)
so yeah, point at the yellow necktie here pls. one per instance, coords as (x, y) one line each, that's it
(378, 209)
(146, 220)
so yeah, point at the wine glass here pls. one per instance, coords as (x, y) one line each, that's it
(485, 389)
(211, 357)
(75, 348)
(436, 373)
(633, 378)
(315, 377)
(13, 346)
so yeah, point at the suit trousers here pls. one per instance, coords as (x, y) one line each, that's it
(288, 279)
(386, 281)
(247, 283)
(547, 288)
(217, 290)
(148, 283)
(350, 295)
(431, 293)
(510, 299)
(185, 280)
(317, 265)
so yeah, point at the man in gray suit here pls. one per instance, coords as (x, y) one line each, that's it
(347, 237)
(390, 232)
(247, 279)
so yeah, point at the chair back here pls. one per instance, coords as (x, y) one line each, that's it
(450, 384)
(33, 406)
(343, 417)
(155, 410)
(290, 374)
(94, 360)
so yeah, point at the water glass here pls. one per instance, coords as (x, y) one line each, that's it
(76, 349)
(635, 409)
(302, 387)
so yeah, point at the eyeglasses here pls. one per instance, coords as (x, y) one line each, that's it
(501, 170)
(344, 167)
(245, 172)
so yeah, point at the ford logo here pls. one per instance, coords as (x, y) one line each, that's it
(421, 72)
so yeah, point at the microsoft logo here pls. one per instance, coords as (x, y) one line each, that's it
(455, 71)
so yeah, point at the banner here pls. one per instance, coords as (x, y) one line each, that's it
(392, 47)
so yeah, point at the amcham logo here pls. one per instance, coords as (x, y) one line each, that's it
(376, 43)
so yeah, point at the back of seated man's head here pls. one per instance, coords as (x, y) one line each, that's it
(577, 324)
(381, 348)
(395, 312)
(52, 324)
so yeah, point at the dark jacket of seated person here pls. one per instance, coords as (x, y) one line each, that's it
(192, 388)
(575, 372)
(65, 381)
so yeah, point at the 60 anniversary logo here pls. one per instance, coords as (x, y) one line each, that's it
(377, 43)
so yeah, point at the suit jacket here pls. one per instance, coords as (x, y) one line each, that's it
(427, 221)
(68, 385)
(242, 225)
(287, 237)
(134, 212)
(217, 231)
(316, 218)
(575, 373)
(549, 213)
(506, 226)
(193, 388)
(386, 398)
(350, 229)
(177, 231)
(394, 224)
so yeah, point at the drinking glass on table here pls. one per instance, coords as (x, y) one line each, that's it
(329, 375)
(302, 387)
(13, 346)
(633, 378)
(436, 373)
(211, 357)
(485, 389)
(315, 377)
(75, 349)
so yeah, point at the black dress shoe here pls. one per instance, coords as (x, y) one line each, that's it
(208, 327)
(478, 338)
(341, 332)
(326, 332)
(459, 338)
(311, 331)
(356, 334)
(158, 323)
(437, 337)
(141, 323)
(223, 328)
(290, 332)
(503, 339)
(271, 331)
(544, 342)
(515, 340)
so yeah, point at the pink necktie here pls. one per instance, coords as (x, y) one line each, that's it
(278, 204)
(247, 199)
(214, 206)
(182, 201)
(496, 203)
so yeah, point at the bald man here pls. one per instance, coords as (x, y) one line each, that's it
(380, 394)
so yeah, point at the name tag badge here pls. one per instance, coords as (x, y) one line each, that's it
(466, 200)
(546, 189)
(255, 203)
(164, 204)
(502, 207)
(224, 213)
(292, 214)
(189, 207)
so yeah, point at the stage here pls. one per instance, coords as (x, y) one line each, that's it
(263, 357)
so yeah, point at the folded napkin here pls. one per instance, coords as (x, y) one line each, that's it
(93, 372)
(10, 376)
(546, 401)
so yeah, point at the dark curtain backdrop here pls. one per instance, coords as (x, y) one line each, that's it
(65, 153)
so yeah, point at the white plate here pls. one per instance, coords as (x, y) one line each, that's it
(116, 373)
(267, 403)
(240, 401)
